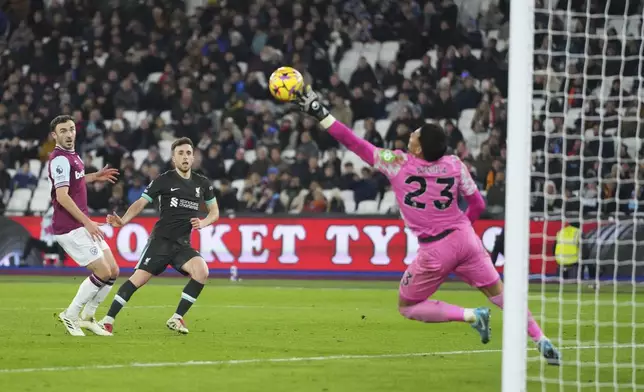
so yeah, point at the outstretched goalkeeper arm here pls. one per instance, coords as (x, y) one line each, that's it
(309, 103)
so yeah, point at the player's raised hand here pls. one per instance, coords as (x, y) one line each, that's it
(196, 223)
(309, 103)
(107, 174)
(94, 231)
(114, 220)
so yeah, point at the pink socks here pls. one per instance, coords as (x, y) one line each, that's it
(433, 312)
(534, 331)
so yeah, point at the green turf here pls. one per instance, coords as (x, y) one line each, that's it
(261, 321)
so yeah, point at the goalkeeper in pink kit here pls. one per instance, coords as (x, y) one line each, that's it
(427, 183)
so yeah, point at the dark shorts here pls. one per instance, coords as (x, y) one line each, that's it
(161, 252)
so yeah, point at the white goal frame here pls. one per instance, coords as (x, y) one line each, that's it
(517, 199)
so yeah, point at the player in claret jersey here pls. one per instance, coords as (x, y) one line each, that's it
(427, 183)
(76, 233)
(180, 193)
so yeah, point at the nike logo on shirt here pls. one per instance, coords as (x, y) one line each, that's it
(173, 189)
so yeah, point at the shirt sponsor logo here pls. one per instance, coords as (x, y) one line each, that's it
(79, 174)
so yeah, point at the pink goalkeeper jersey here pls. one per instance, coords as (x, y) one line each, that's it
(427, 192)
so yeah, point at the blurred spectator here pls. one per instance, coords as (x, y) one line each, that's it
(227, 198)
(98, 196)
(365, 188)
(136, 79)
(136, 190)
(240, 168)
(24, 178)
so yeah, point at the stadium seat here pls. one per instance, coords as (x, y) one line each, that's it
(40, 200)
(386, 207)
(165, 149)
(154, 77)
(243, 67)
(572, 115)
(347, 195)
(382, 126)
(166, 116)
(538, 106)
(34, 167)
(288, 155)
(634, 26)
(328, 194)
(98, 162)
(139, 156)
(239, 185)
(131, 116)
(44, 183)
(410, 67)
(250, 156)
(367, 207)
(433, 58)
(140, 117)
(228, 163)
(391, 92)
(358, 128)
(618, 23)
(348, 64)
(349, 206)
(388, 197)
(19, 200)
(357, 162)
(388, 52)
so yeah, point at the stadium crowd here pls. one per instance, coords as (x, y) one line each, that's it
(202, 74)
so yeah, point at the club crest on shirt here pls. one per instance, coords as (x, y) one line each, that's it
(197, 191)
(387, 156)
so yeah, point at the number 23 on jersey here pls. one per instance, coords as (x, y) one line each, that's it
(446, 192)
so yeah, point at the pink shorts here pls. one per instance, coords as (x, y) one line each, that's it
(461, 253)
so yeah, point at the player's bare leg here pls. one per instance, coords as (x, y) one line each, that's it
(432, 311)
(494, 293)
(197, 268)
(70, 317)
(125, 292)
(88, 320)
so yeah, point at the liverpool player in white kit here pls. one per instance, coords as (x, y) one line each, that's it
(78, 235)
(427, 183)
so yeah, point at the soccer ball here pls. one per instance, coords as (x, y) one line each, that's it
(284, 83)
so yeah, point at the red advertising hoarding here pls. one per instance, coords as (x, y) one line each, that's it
(309, 244)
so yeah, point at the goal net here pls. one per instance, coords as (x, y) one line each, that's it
(588, 173)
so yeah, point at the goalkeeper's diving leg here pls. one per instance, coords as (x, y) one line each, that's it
(427, 273)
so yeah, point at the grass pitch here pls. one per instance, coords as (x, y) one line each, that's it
(302, 336)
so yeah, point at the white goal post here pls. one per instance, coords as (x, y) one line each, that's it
(575, 159)
(517, 196)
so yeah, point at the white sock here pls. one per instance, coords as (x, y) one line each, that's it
(178, 316)
(469, 316)
(90, 309)
(108, 320)
(87, 290)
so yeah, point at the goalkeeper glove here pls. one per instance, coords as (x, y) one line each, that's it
(309, 103)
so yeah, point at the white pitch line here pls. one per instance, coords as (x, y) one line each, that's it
(271, 307)
(279, 360)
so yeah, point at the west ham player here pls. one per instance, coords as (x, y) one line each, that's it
(427, 183)
(180, 193)
(78, 235)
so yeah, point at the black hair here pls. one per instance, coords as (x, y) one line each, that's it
(59, 120)
(433, 142)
